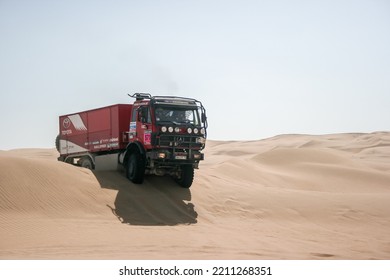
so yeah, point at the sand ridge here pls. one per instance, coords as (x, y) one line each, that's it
(286, 197)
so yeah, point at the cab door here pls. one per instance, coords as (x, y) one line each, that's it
(133, 124)
(141, 125)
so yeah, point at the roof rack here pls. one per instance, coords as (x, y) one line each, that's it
(174, 100)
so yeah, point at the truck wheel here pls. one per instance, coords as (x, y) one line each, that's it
(86, 162)
(136, 168)
(186, 177)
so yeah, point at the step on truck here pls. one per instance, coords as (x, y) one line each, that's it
(159, 135)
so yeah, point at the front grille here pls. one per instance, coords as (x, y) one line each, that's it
(179, 142)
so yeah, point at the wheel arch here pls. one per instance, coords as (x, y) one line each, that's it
(68, 158)
(131, 148)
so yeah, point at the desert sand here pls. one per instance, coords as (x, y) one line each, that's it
(286, 197)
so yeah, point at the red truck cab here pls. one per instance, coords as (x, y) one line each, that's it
(166, 136)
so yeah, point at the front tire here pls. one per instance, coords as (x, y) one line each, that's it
(186, 176)
(136, 168)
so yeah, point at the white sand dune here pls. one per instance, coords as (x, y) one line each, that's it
(286, 197)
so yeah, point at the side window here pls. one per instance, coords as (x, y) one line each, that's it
(149, 118)
(134, 115)
(144, 114)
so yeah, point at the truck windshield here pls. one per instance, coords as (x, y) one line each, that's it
(177, 115)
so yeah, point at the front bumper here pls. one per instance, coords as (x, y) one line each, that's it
(176, 156)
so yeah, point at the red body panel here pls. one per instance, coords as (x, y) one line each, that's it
(99, 130)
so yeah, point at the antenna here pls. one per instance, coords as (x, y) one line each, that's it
(140, 96)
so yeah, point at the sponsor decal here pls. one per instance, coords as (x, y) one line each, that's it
(113, 145)
(133, 127)
(66, 123)
(66, 132)
(103, 143)
(147, 137)
(77, 122)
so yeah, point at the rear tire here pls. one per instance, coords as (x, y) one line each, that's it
(186, 177)
(86, 162)
(135, 168)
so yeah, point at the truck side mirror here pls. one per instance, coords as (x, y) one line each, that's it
(204, 118)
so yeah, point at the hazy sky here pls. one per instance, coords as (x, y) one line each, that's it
(261, 68)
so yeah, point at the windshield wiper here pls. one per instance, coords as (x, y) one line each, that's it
(184, 122)
(176, 123)
(165, 121)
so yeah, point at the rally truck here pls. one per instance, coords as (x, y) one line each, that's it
(158, 135)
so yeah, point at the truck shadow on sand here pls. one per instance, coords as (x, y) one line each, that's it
(158, 201)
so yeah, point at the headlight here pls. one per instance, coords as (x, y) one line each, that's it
(197, 156)
(203, 131)
(161, 155)
(164, 129)
(189, 130)
(177, 130)
(170, 129)
(200, 140)
(196, 130)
